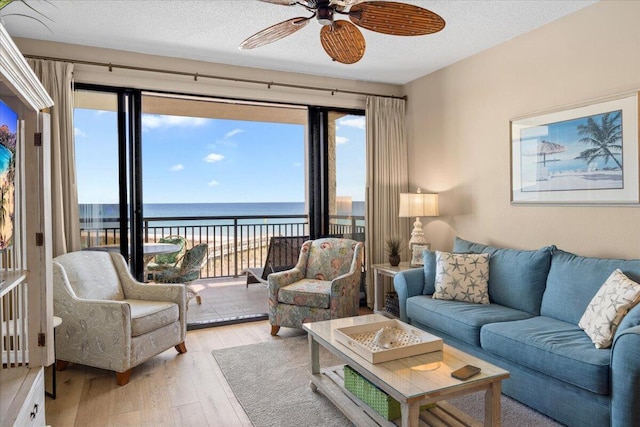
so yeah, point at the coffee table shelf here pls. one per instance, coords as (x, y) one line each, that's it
(330, 382)
(413, 381)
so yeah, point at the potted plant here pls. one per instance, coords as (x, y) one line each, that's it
(394, 245)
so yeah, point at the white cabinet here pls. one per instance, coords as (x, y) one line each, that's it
(22, 397)
(26, 306)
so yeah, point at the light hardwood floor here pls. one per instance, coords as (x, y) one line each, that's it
(167, 390)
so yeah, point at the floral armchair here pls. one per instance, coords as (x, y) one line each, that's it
(109, 320)
(324, 284)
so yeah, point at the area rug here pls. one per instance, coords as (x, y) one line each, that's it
(271, 382)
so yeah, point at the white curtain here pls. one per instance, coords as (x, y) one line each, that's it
(387, 177)
(57, 79)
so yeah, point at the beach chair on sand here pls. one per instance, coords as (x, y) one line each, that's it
(282, 254)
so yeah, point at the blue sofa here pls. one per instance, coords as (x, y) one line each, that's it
(531, 329)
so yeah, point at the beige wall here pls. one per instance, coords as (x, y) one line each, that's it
(204, 86)
(459, 139)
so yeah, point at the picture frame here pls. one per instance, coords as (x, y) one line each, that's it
(416, 253)
(561, 157)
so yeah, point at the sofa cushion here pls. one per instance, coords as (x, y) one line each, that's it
(306, 292)
(553, 347)
(607, 308)
(462, 320)
(573, 281)
(429, 259)
(517, 278)
(147, 316)
(462, 277)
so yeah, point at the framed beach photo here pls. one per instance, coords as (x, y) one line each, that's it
(582, 155)
(416, 253)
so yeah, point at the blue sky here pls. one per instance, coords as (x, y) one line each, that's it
(8, 117)
(196, 160)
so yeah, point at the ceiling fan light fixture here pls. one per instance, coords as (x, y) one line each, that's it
(325, 15)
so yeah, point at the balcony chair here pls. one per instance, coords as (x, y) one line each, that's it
(282, 254)
(323, 285)
(163, 261)
(186, 270)
(110, 320)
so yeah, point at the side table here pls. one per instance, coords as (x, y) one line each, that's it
(380, 271)
(56, 322)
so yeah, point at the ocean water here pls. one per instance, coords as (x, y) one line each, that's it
(580, 164)
(106, 215)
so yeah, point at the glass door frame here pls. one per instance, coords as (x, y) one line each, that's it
(129, 117)
(129, 122)
(319, 197)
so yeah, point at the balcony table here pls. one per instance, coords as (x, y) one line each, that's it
(150, 250)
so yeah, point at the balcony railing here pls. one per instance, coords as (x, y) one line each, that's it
(235, 242)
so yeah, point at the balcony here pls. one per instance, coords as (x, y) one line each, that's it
(235, 243)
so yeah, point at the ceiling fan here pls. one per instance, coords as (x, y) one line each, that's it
(341, 39)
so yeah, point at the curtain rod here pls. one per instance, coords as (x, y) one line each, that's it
(196, 76)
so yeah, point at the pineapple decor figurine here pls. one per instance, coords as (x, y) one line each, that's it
(394, 246)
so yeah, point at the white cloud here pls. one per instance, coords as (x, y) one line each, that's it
(153, 121)
(341, 140)
(213, 157)
(176, 168)
(77, 132)
(357, 122)
(213, 183)
(232, 133)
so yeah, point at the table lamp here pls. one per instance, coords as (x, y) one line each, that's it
(417, 205)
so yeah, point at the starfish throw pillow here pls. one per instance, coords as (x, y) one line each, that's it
(462, 277)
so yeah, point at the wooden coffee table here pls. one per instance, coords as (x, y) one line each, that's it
(412, 381)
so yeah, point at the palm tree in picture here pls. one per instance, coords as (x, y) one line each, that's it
(605, 138)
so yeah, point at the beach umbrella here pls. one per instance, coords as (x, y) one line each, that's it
(545, 147)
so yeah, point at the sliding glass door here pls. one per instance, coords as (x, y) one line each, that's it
(347, 177)
(226, 173)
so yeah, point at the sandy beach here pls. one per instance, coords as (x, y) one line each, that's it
(578, 180)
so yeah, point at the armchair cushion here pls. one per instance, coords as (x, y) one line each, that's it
(306, 292)
(171, 258)
(148, 316)
(328, 259)
(86, 283)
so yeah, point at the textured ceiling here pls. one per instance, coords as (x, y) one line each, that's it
(211, 31)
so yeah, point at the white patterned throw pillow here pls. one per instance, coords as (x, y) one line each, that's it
(462, 277)
(616, 297)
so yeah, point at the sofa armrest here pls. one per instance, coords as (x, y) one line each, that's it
(625, 378)
(407, 284)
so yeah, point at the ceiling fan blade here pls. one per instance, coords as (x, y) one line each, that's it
(343, 42)
(275, 32)
(399, 19)
(282, 2)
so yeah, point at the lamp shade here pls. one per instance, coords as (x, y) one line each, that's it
(418, 204)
